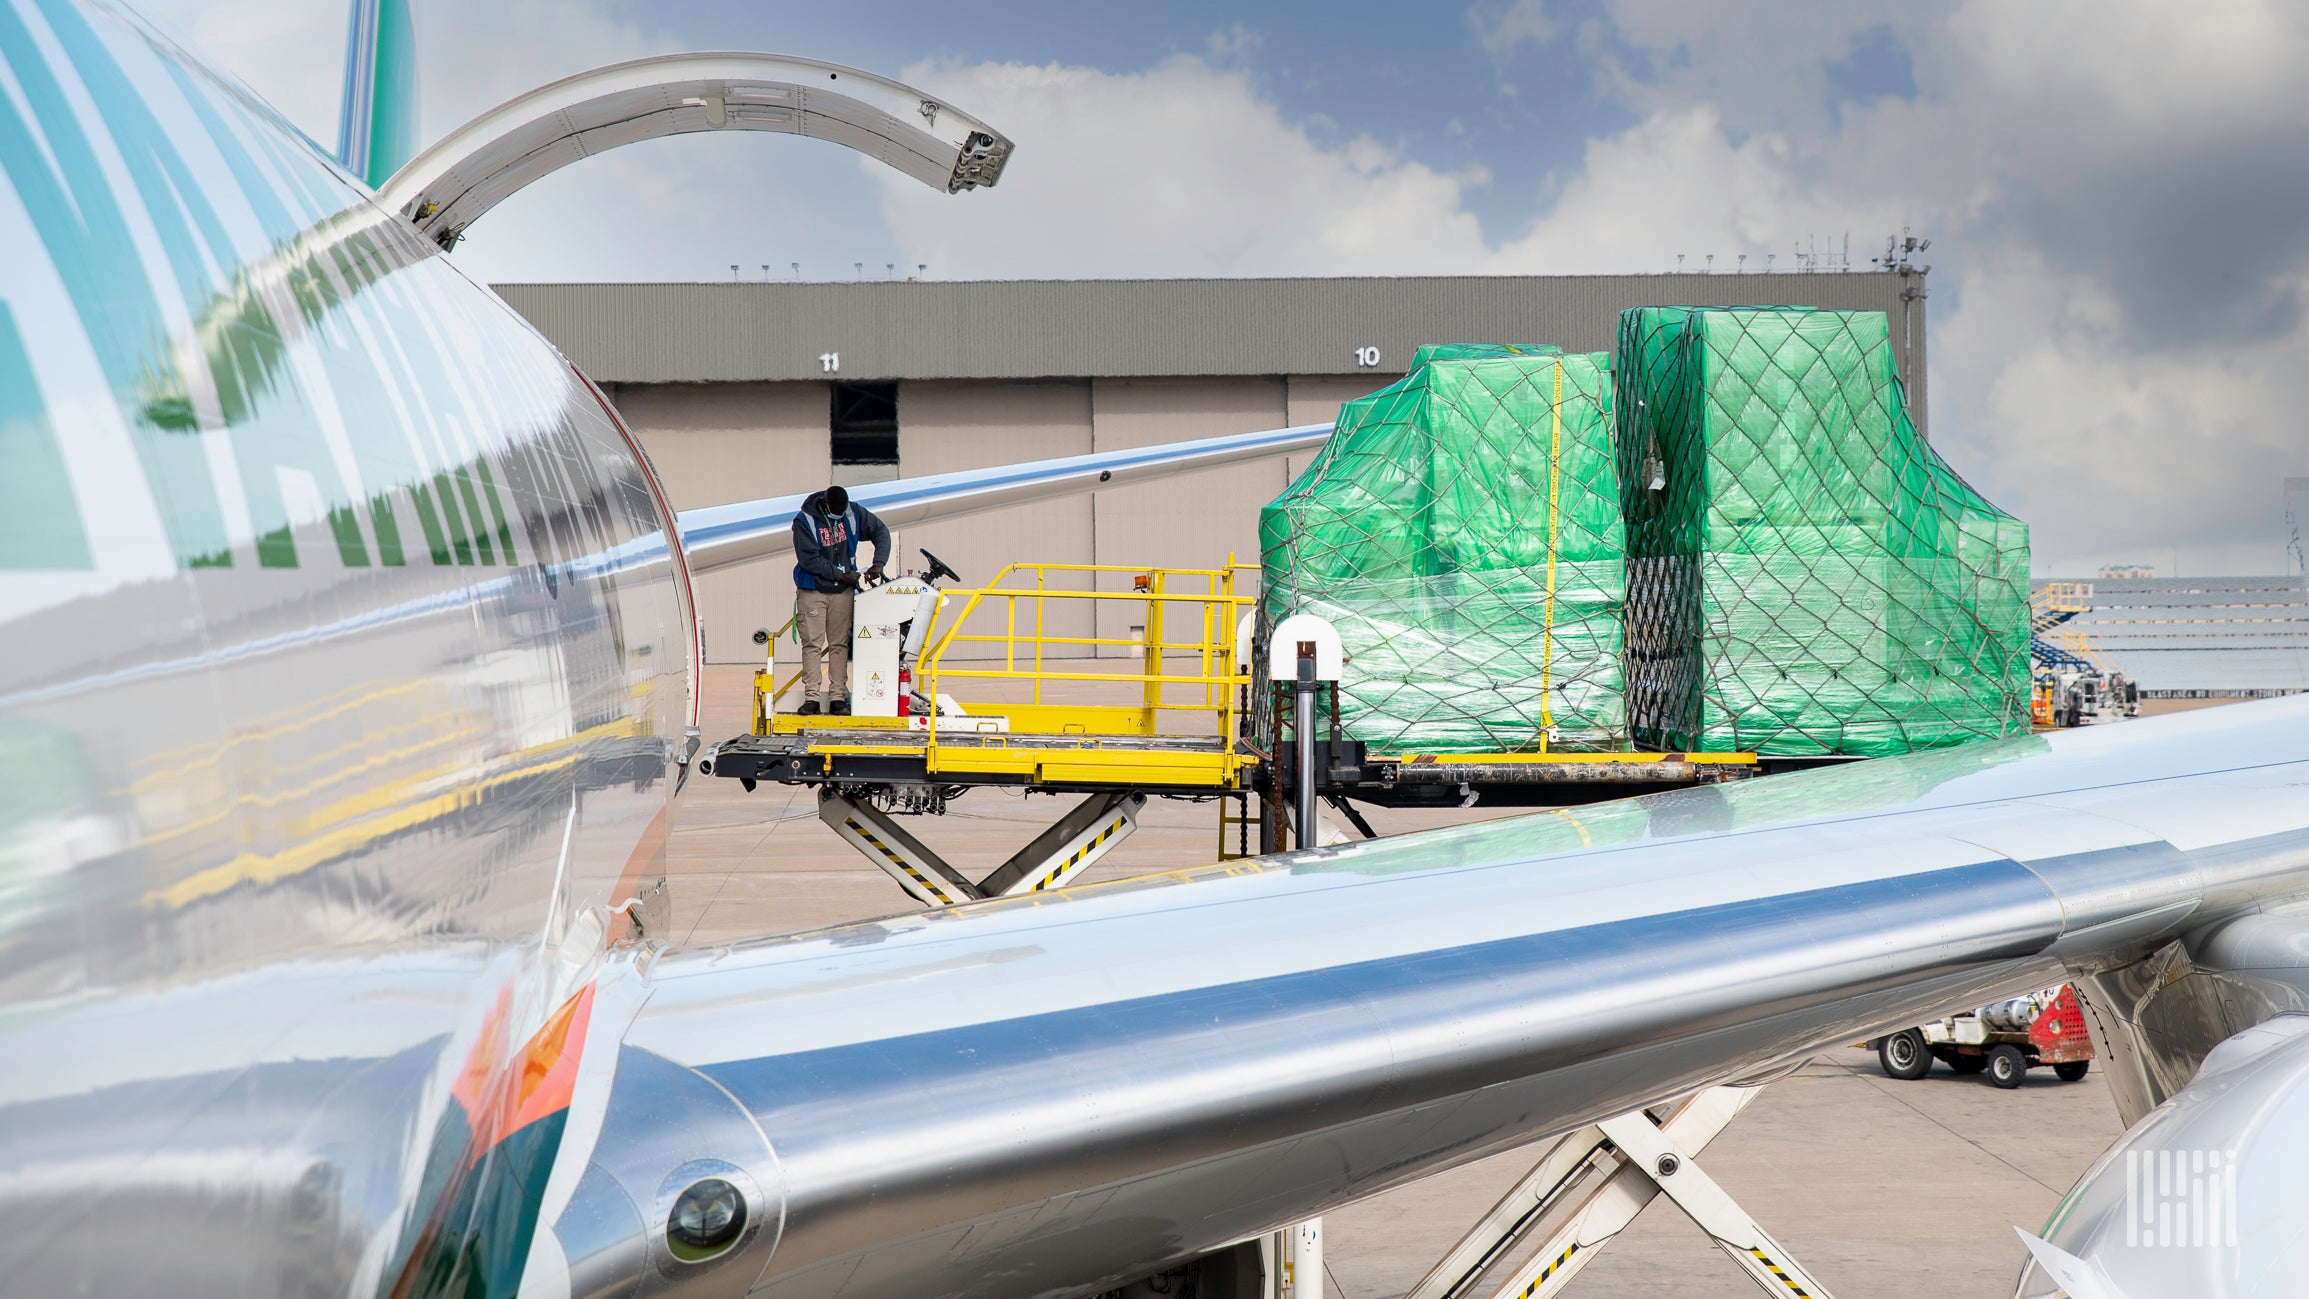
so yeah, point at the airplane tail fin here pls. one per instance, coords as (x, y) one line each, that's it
(377, 129)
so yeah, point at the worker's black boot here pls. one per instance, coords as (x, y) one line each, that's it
(839, 708)
(809, 708)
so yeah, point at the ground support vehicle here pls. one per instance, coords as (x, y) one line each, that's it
(2003, 1040)
(2082, 697)
(2072, 684)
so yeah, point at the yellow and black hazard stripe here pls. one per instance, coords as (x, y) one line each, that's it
(1785, 1279)
(1078, 854)
(1550, 1270)
(900, 862)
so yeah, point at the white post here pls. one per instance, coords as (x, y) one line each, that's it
(1304, 649)
(1305, 1268)
(769, 643)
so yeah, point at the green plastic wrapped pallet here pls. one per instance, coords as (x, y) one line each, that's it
(1479, 352)
(1461, 529)
(1806, 576)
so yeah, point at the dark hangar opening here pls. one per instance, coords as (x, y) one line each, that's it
(865, 424)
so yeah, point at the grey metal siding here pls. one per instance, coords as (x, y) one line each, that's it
(1031, 329)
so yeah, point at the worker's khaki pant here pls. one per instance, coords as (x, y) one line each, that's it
(825, 644)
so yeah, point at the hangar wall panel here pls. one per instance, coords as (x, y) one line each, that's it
(1023, 329)
(716, 443)
(1193, 521)
(946, 426)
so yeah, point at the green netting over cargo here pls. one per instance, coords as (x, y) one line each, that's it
(1479, 351)
(1806, 576)
(1474, 615)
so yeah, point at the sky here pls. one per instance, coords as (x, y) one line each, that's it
(2117, 193)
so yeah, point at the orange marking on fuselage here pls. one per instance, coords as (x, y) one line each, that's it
(478, 1078)
(548, 1070)
(500, 1096)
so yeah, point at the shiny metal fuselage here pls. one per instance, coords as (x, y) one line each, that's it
(339, 682)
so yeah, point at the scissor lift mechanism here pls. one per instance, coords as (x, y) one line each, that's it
(1067, 849)
(1590, 1186)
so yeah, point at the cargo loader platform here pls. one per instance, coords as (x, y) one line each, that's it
(1164, 711)
(1515, 779)
(1073, 762)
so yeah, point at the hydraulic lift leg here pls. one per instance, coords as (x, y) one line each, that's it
(1590, 1186)
(1057, 855)
(1069, 847)
(1354, 818)
(1655, 1152)
(922, 873)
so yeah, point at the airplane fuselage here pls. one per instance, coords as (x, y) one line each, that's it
(346, 668)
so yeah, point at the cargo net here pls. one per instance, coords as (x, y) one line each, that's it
(1461, 530)
(1806, 576)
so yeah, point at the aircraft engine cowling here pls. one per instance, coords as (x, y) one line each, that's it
(2203, 1197)
(682, 1195)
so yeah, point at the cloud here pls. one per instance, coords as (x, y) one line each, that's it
(2118, 197)
(1183, 169)
(1234, 44)
(1676, 183)
(2110, 450)
(2121, 222)
(1762, 64)
(627, 215)
(1503, 31)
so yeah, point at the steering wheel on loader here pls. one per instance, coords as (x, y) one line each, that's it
(938, 569)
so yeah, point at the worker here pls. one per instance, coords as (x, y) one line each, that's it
(826, 537)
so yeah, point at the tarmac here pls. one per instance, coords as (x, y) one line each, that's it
(1880, 1188)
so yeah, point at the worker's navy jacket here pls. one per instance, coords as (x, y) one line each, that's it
(827, 547)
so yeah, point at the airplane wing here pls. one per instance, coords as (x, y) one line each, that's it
(1050, 1096)
(717, 536)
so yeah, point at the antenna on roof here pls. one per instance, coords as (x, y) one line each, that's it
(797, 269)
(733, 270)
(2296, 499)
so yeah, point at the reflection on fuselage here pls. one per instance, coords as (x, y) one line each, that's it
(343, 668)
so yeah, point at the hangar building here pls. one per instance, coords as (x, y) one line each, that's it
(752, 389)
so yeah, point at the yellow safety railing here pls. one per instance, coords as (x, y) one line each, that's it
(1042, 626)
(767, 689)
